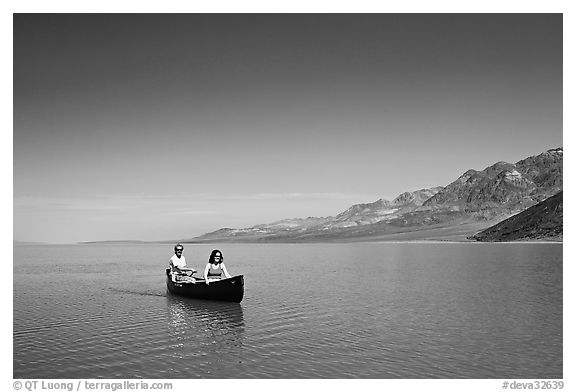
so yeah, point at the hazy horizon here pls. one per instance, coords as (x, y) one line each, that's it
(160, 126)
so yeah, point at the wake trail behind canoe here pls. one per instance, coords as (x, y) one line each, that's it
(142, 293)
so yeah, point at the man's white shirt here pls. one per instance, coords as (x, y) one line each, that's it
(178, 262)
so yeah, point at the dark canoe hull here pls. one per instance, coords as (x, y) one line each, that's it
(231, 290)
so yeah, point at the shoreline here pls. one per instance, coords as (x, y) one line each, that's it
(374, 241)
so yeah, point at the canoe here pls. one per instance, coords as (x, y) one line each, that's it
(231, 290)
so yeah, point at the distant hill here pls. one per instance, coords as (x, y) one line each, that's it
(474, 201)
(542, 221)
(112, 242)
(22, 243)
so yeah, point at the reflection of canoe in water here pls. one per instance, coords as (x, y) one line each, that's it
(231, 289)
(204, 315)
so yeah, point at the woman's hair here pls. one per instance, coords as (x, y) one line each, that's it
(214, 253)
(177, 246)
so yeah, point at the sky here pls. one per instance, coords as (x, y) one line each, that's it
(168, 126)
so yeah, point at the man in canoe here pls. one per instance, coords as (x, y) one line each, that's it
(180, 272)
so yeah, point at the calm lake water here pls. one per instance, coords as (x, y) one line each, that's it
(364, 310)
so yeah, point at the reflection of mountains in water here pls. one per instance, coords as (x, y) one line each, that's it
(191, 312)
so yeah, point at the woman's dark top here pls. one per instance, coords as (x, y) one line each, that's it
(214, 273)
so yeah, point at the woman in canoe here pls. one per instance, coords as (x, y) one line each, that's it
(215, 267)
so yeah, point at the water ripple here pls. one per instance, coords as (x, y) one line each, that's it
(397, 312)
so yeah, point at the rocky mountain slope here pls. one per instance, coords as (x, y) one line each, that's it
(542, 221)
(505, 187)
(476, 199)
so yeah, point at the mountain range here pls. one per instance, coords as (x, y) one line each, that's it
(542, 221)
(473, 202)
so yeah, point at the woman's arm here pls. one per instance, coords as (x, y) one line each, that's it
(224, 270)
(206, 272)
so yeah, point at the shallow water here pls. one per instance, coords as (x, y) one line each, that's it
(376, 310)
